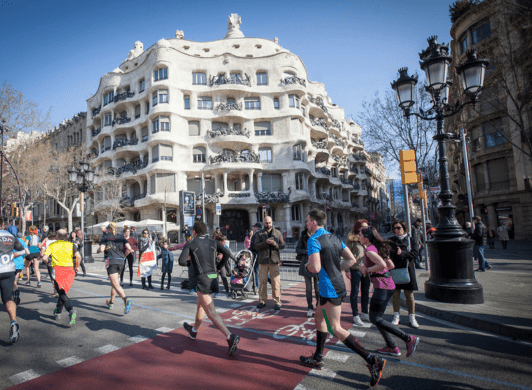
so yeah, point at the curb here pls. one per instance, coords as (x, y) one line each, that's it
(475, 323)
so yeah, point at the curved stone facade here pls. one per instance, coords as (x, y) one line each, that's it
(240, 110)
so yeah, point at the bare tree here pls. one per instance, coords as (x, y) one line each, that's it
(109, 197)
(387, 131)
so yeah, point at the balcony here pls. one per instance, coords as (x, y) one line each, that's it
(97, 131)
(323, 144)
(120, 121)
(124, 142)
(326, 197)
(358, 157)
(318, 122)
(293, 80)
(96, 111)
(209, 198)
(238, 157)
(347, 181)
(323, 171)
(341, 160)
(129, 167)
(123, 96)
(223, 131)
(319, 102)
(273, 196)
(229, 107)
(236, 80)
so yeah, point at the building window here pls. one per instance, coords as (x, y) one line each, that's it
(263, 128)
(293, 101)
(144, 134)
(199, 79)
(160, 96)
(236, 78)
(194, 128)
(498, 174)
(271, 183)
(147, 108)
(334, 172)
(252, 103)
(137, 111)
(142, 85)
(204, 103)
(493, 133)
(107, 119)
(160, 74)
(198, 154)
(300, 181)
(108, 98)
(481, 33)
(262, 78)
(296, 213)
(296, 152)
(464, 44)
(187, 102)
(303, 110)
(162, 123)
(265, 155)
(270, 212)
(276, 103)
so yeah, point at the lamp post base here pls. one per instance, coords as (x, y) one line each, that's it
(88, 252)
(452, 277)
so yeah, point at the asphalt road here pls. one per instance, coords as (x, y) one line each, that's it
(448, 357)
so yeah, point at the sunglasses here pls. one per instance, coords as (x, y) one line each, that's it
(397, 227)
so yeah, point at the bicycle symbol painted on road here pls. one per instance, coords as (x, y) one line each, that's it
(306, 331)
(249, 313)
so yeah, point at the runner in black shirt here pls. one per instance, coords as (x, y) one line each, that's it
(113, 246)
(9, 243)
(202, 252)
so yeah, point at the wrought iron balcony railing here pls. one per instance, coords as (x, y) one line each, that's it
(235, 80)
(120, 121)
(232, 130)
(293, 80)
(229, 107)
(97, 131)
(123, 96)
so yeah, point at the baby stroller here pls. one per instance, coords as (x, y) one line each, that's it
(242, 275)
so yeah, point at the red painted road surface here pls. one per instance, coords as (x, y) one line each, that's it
(174, 361)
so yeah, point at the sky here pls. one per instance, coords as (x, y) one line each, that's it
(55, 52)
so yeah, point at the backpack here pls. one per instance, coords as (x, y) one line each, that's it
(34, 240)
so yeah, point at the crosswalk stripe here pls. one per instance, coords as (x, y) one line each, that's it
(70, 361)
(23, 377)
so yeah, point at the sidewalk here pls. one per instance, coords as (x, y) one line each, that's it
(507, 309)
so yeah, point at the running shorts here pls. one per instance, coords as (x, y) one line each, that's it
(31, 256)
(7, 280)
(333, 301)
(207, 283)
(115, 269)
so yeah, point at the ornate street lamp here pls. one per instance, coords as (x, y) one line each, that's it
(452, 277)
(83, 178)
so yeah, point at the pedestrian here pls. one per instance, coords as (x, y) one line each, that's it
(33, 242)
(186, 233)
(419, 237)
(480, 235)
(255, 253)
(113, 244)
(469, 230)
(80, 242)
(147, 259)
(167, 266)
(268, 243)
(61, 253)
(10, 248)
(358, 281)
(302, 256)
(134, 233)
(247, 240)
(131, 255)
(217, 234)
(403, 256)
(491, 237)
(325, 252)
(225, 270)
(202, 251)
(502, 232)
(376, 265)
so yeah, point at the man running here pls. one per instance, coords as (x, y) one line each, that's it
(113, 246)
(7, 276)
(325, 251)
(202, 252)
(62, 252)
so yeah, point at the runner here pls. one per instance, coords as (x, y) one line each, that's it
(62, 253)
(325, 251)
(51, 237)
(33, 241)
(7, 276)
(19, 266)
(113, 246)
(202, 252)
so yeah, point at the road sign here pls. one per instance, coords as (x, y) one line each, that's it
(198, 211)
(264, 207)
(218, 209)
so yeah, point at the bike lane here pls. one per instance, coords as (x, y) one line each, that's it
(267, 355)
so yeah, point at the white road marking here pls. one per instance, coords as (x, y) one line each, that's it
(222, 310)
(107, 348)
(164, 330)
(325, 373)
(137, 339)
(23, 377)
(236, 305)
(337, 356)
(70, 361)
(357, 334)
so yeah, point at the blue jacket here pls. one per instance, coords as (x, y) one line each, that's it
(168, 260)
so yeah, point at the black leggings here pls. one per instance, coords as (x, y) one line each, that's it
(144, 281)
(7, 280)
(129, 260)
(308, 291)
(63, 300)
(169, 279)
(377, 306)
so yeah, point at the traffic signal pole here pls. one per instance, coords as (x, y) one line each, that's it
(467, 177)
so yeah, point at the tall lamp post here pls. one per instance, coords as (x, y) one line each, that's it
(452, 278)
(83, 178)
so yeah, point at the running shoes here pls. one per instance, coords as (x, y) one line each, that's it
(73, 316)
(233, 341)
(128, 304)
(375, 370)
(109, 304)
(39, 284)
(411, 345)
(13, 332)
(309, 361)
(190, 330)
(389, 351)
(57, 314)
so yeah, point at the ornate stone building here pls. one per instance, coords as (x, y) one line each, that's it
(240, 111)
(498, 129)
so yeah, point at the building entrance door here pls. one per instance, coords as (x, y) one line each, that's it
(237, 222)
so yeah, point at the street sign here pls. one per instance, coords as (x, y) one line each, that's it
(27, 215)
(198, 212)
(218, 209)
(264, 207)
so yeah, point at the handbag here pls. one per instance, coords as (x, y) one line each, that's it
(400, 275)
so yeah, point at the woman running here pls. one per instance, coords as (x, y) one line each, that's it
(33, 242)
(383, 288)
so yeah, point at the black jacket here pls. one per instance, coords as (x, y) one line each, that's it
(480, 234)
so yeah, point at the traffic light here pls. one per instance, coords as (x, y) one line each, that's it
(408, 166)
(14, 210)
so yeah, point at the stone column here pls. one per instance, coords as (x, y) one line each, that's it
(259, 182)
(285, 181)
(226, 189)
(251, 172)
(288, 219)
(217, 183)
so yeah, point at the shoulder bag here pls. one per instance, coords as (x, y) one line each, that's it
(400, 275)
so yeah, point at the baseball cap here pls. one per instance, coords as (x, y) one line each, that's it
(258, 225)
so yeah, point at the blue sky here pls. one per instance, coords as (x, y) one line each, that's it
(56, 51)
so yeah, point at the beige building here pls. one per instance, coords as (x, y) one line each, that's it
(240, 111)
(499, 128)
